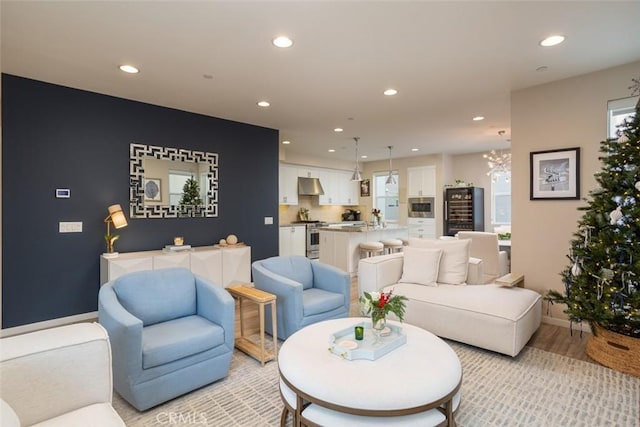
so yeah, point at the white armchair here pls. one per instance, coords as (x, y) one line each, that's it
(57, 377)
(485, 246)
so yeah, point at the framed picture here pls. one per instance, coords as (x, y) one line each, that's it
(555, 174)
(365, 188)
(152, 190)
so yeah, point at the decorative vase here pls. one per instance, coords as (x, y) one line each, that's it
(378, 323)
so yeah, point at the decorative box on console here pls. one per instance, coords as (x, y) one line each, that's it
(340, 343)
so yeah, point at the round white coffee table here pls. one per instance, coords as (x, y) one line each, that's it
(421, 376)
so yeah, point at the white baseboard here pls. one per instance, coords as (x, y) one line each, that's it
(61, 321)
(566, 324)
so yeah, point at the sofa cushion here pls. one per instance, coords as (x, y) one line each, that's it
(492, 300)
(172, 340)
(420, 265)
(454, 261)
(96, 415)
(316, 301)
(157, 295)
(296, 268)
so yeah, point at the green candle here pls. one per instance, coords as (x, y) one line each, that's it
(359, 331)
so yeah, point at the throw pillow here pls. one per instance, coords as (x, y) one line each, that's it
(454, 262)
(420, 265)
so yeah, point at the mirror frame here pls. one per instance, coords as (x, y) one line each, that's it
(137, 153)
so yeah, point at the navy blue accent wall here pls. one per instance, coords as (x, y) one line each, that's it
(59, 137)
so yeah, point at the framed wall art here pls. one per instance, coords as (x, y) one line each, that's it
(555, 174)
(152, 190)
(365, 188)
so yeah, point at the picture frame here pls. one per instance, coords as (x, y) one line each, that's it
(365, 188)
(152, 190)
(555, 174)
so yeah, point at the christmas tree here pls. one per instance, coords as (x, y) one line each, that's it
(191, 193)
(602, 281)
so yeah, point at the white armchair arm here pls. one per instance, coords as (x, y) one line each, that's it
(54, 372)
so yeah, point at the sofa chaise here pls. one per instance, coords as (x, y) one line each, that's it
(447, 296)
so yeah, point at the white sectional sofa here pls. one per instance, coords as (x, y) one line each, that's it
(446, 296)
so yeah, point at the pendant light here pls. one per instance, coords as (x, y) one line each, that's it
(390, 179)
(357, 176)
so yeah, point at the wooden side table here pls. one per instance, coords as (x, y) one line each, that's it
(510, 280)
(242, 292)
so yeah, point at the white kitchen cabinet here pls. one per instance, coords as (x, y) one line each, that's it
(293, 240)
(421, 181)
(222, 266)
(287, 184)
(424, 228)
(338, 188)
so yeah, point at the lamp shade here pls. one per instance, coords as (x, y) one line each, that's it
(117, 216)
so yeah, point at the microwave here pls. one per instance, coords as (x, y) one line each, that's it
(421, 207)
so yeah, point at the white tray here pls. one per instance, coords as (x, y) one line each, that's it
(365, 348)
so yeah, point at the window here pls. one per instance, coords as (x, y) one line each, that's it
(617, 112)
(177, 180)
(501, 198)
(385, 196)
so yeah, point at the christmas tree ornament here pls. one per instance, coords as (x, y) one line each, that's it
(615, 215)
(576, 269)
(638, 185)
(623, 138)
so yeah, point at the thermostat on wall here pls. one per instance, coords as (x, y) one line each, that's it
(63, 193)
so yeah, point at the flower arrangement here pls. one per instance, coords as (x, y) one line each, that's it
(379, 304)
(376, 213)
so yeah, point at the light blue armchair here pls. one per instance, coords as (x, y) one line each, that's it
(307, 292)
(170, 331)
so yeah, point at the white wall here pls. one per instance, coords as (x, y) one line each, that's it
(562, 114)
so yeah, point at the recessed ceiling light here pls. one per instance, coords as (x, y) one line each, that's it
(364, 156)
(282, 41)
(552, 41)
(129, 69)
(478, 118)
(331, 150)
(390, 92)
(207, 76)
(263, 104)
(415, 149)
(286, 142)
(542, 68)
(338, 130)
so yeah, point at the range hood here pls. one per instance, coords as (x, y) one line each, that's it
(309, 187)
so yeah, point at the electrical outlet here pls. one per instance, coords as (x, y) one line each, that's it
(268, 220)
(70, 227)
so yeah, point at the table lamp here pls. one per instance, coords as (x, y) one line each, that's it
(117, 218)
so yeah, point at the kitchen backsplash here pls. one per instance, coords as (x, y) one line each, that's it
(289, 213)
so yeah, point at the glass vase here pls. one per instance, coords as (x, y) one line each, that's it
(378, 322)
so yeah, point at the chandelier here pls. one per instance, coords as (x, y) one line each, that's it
(498, 162)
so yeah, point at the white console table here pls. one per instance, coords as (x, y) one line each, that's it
(222, 266)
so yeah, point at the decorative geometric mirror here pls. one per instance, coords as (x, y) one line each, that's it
(161, 177)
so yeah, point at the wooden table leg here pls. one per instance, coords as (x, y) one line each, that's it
(262, 355)
(241, 316)
(274, 329)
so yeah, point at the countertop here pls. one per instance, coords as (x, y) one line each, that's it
(363, 228)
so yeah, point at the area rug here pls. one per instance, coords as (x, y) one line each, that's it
(537, 388)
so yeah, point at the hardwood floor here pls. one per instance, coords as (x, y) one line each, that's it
(552, 338)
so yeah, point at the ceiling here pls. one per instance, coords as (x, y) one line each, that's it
(450, 61)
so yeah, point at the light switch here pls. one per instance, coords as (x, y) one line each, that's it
(70, 227)
(268, 220)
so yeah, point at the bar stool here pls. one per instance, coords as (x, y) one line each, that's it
(391, 245)
(369, 249)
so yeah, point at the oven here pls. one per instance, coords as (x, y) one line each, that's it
(421, 207)
(313, 239)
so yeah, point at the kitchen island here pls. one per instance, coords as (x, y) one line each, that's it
(339, 246)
